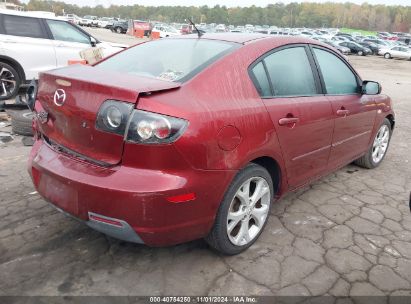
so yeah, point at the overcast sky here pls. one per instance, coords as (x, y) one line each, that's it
(229, 3)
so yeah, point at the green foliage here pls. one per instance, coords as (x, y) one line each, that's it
(341, 15)
(362, 32)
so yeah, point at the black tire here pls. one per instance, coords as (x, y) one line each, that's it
(119, 30)
(12, 74)
(387, 56)
(360, 53)
(366, 160)
(218, 238)
(21, 122)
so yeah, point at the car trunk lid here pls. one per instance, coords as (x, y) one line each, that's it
(71, 120)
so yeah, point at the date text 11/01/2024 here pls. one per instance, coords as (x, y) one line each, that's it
(204, 299)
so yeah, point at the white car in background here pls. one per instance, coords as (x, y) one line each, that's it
(72, 18)
(166, 31)
(105, 22)
(90, 20)
(395, 52)
(31, 43)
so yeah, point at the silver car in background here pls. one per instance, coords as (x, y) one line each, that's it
(395, 52)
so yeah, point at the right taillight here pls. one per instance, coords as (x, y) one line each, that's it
(152, 128)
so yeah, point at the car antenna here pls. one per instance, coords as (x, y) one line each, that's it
(198, 32)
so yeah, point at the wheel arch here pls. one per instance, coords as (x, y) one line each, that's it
(273, 168)
(16, 65)
(391, 118)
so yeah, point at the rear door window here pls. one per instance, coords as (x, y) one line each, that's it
(23, 26)
(290, 72)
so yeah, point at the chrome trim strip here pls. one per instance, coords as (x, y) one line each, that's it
(310, 153)
(350, 138)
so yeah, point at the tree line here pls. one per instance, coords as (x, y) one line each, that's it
(313, 15)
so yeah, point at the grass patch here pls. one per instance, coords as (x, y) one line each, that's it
(362, 32)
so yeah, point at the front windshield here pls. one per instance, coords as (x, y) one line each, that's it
(168, 59)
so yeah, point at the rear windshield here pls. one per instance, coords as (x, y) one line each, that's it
(168, 59)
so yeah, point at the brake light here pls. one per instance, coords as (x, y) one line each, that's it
(152, 128)
(138, 126)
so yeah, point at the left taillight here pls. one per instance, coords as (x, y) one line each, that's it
(138, 126)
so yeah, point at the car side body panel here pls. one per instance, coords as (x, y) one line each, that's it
(352, 131)
(235, 125)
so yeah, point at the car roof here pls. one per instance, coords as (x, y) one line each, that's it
(32, 14)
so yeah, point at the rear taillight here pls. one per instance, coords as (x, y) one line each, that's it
(152, 128)
(113, 116)
(138, 126)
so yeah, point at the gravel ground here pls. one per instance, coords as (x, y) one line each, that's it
(109, 36)
(347, 234)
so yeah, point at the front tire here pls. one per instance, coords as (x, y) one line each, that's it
(118, 30)
(10, 81)
(243, 212)
(387, 56)
(360, 53)
(375, 155)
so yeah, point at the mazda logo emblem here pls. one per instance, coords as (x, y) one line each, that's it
(59, 97)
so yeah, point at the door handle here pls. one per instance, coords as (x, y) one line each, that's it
(288, 121)
(343, 112)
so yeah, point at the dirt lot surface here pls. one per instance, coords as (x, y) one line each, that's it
(347, 234)
(109, 36)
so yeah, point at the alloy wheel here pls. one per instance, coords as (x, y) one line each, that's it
(7, 82)
(380, 144)
(248, 211)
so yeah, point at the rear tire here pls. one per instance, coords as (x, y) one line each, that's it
(118, 30)
(246, 216)
(371, 159)
(21, 122)
(360, 53)
(10, 81)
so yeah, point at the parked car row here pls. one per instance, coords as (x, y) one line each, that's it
(91, 21)
(345, 43)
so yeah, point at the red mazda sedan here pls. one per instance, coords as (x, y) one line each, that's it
(184, 138)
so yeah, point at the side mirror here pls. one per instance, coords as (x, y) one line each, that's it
(371, 88)
(93, 41)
